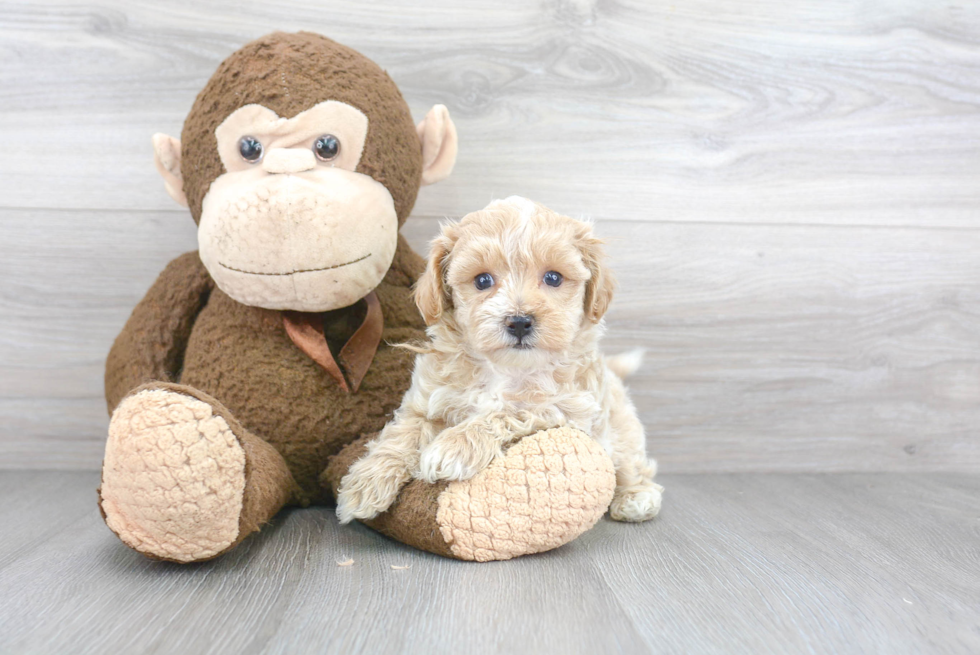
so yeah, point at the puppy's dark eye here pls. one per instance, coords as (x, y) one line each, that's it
(553, 278)
(483, 281)
(250, 149)
(326, 147)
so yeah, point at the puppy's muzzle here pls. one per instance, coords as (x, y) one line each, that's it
(519, 326)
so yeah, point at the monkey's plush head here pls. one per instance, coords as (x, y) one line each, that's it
(299, 161)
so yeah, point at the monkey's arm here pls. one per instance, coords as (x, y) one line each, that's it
(372, 483)
(546, 490)
(152, 343)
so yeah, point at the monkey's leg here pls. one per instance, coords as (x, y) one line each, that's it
(544, 491)
(182, 480)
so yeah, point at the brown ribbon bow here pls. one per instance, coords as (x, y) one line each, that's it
(354, 359)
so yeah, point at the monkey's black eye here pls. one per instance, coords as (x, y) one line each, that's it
(553, 278)
(250, 148)
(326, 147)
(483, 281)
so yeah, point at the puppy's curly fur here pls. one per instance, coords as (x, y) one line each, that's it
(514, 297)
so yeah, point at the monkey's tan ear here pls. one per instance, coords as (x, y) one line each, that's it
(439, 144)
(166, 155)
(431, 293)
(599, 289)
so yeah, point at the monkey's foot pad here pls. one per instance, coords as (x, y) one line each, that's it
(173, 478)
(544, 492)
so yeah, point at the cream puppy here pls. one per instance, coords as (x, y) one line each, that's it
(514, 297)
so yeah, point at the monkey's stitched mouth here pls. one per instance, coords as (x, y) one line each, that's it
(302, 270)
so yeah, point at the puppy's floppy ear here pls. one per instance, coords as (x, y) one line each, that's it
(599, 289)
(432, 295)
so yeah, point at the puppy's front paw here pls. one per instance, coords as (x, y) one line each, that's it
(453, 456)
(369, 488)
(636, 504)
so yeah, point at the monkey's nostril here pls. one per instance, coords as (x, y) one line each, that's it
(519, 325)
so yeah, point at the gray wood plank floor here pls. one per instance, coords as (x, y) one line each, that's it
(778, 563)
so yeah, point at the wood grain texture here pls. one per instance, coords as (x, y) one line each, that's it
(789, 348)
(790, 189)
(859, 563)
(760, 110)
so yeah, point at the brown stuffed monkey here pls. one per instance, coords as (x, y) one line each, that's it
(255, 370)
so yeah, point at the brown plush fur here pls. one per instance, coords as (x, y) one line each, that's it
(151, 346)
(289, 73)
(242, 356)
(412, 518)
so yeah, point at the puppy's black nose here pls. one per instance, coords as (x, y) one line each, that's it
(519, 325)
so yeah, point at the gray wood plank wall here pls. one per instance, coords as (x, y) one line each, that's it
(791, 192)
